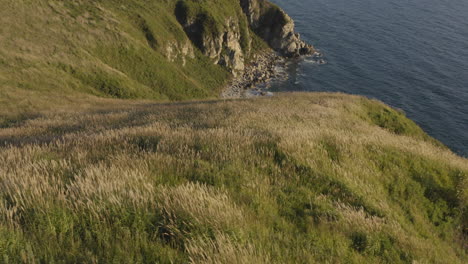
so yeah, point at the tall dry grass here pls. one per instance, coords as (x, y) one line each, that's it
(298, 178)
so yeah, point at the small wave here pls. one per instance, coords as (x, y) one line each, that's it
(315, 61)
(424, 73)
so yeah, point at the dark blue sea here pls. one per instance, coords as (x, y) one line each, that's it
(410, 54)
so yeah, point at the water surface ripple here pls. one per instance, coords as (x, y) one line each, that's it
(411, 54)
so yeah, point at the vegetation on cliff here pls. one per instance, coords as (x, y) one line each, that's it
(110, 48)
(158, 49)
(300, 178)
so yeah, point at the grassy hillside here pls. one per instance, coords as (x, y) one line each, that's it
(107, 48)
(304, 178)
(298, 178)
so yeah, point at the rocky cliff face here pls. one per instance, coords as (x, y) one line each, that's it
(230, 53)
(219, 40)
(226, 38)
(274, 26)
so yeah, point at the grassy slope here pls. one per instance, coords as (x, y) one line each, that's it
(110, 48)
(305, 178)
(60, 54)
(291, 179)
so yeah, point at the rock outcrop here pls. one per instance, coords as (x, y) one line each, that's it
(220, 41)
(230, 54)
(227, 39)
(261, 71)
(274, 26)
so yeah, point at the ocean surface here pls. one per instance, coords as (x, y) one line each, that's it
(410, 54)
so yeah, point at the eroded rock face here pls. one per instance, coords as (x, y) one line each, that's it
(273, 25)
(252, 9)
(220, 42)
(224, 47)
(232, 56)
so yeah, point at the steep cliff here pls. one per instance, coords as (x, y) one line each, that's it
(223, 38)
(227, 39)
(164, 50)
(294, 178)
(274, 26)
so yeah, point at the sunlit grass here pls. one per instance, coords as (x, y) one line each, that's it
(298, 178)
(109, 48)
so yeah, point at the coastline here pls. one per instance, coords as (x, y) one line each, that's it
(267, 66)
(262, 70)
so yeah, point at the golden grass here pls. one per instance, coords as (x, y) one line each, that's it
(293, 178)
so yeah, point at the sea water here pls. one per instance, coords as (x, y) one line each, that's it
(410, 54)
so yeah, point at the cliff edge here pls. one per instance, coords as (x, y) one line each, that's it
(274, 26)
(227, 39)
(160, 50)
(295, 178)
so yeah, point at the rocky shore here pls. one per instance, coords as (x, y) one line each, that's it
(228, 42)
(276, 28)
(265, 68)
